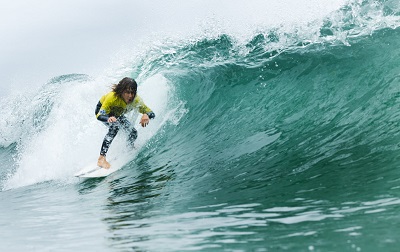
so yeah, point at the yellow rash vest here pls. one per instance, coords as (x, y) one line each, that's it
(112, 105)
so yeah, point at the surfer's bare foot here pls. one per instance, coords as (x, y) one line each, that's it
(102, 162)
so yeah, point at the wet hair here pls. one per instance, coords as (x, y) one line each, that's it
(126, 84)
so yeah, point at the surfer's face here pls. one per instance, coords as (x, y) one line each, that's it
(128, 96)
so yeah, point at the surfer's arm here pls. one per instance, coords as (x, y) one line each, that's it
(101, 114)
(103, 118)
(151, 115)
(143, 109)
(104, 108)
(106, 118)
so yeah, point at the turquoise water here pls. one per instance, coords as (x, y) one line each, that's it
(288, 141)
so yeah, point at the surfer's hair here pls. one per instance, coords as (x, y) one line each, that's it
(126, 84)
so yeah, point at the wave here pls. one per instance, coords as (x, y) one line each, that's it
(275, 103)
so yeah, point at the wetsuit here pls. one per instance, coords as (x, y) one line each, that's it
(112, 105)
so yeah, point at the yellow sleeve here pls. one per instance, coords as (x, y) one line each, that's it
(140, 106)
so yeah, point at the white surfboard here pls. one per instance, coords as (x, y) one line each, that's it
(94, 171)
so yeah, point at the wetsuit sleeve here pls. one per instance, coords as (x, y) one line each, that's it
(151, 115)
(103, 118)
(99, 116)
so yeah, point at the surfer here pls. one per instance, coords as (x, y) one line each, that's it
(111, 110)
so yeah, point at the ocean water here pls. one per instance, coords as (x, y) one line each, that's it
(284, 137)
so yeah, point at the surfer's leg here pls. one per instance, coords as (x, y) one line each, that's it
(112, 132)
(128, 127)
(132, 137)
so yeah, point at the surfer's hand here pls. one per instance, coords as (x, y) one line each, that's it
(112, 119)
(145, 120)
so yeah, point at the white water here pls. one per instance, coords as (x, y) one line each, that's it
(72, 137)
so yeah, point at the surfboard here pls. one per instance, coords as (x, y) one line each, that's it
(117, 162)
(94, 171)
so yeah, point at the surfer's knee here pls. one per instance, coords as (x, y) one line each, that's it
(133, 134)
(132, 137)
